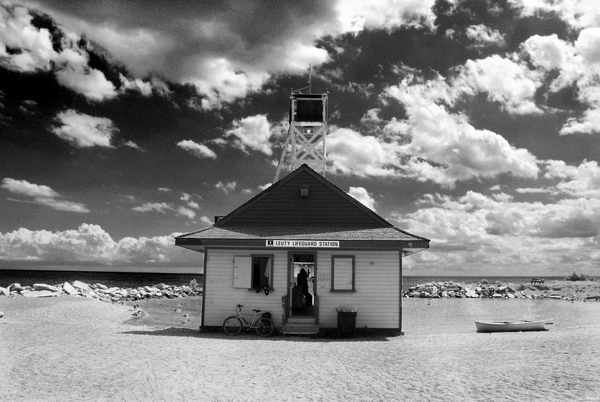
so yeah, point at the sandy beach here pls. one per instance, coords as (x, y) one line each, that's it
(73, 348)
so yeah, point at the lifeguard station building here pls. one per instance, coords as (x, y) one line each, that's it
(353, 257)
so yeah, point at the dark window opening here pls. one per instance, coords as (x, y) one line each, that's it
(261, 272)
(309, 110)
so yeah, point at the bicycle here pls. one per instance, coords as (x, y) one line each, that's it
(233, 324)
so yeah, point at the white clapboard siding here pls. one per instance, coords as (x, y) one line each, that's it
(221, 297)
(376, 299)
(377, 284)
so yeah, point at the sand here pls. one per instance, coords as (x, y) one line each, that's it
(68, 348)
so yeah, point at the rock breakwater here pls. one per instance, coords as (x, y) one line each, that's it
(567, 290)
(102, 292)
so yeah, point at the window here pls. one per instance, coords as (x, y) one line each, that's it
(342, 273)
(253, 272)
(309, 110)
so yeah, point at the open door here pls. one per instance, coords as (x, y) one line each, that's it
(302, 284)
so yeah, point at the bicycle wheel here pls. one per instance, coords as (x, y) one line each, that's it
(265, 327)
(232, 325)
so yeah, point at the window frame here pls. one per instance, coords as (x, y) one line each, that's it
(272, 269)
(248, 277)
(353, 260)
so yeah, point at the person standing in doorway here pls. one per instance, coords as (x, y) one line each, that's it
(303, 282)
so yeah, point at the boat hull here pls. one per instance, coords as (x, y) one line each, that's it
(510, 326)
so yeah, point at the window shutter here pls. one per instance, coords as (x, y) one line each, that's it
(242, 272)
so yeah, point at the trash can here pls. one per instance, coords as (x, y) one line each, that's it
(346, 323)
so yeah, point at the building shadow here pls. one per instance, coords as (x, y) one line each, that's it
(194, 333)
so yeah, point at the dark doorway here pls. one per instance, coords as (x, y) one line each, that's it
(302, 288)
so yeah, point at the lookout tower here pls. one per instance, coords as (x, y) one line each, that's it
(307, 135)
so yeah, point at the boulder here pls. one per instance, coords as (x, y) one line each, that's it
(100, 286)
(15, 287)
(81, 286)
(1, 314)
(471, 293)
(43, 286)
(4, 291)
(40, 293)
(68, 288)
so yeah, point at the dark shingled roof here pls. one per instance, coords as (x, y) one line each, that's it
(280, 212)
(282, 206)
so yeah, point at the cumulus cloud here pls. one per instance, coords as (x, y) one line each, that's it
(160, 207)
(576, 65)
(230, 51)
(165, 207)
(356, 15)
(363, 196)
(250, 133)
(221, 81)
(43, 195)
(577, 14)
(511, 84)
(83, 130)
(200, 151)
(226, 187)
(472, 232)
(33, 51)
(349, 152)
(432, 143)
(483, 36)
(136, 85)
(587, 45)
(90, 244)
(131, 144)
(577, 181)
(16, 32)
(206, 220)
(188, 213)
(444, 147)
(25, 188)
(548, 52)
(74, 73)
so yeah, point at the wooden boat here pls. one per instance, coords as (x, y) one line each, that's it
(510, 326)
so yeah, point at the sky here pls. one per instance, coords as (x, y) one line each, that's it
(473, 123)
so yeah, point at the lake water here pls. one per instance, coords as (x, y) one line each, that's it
(457, 316)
